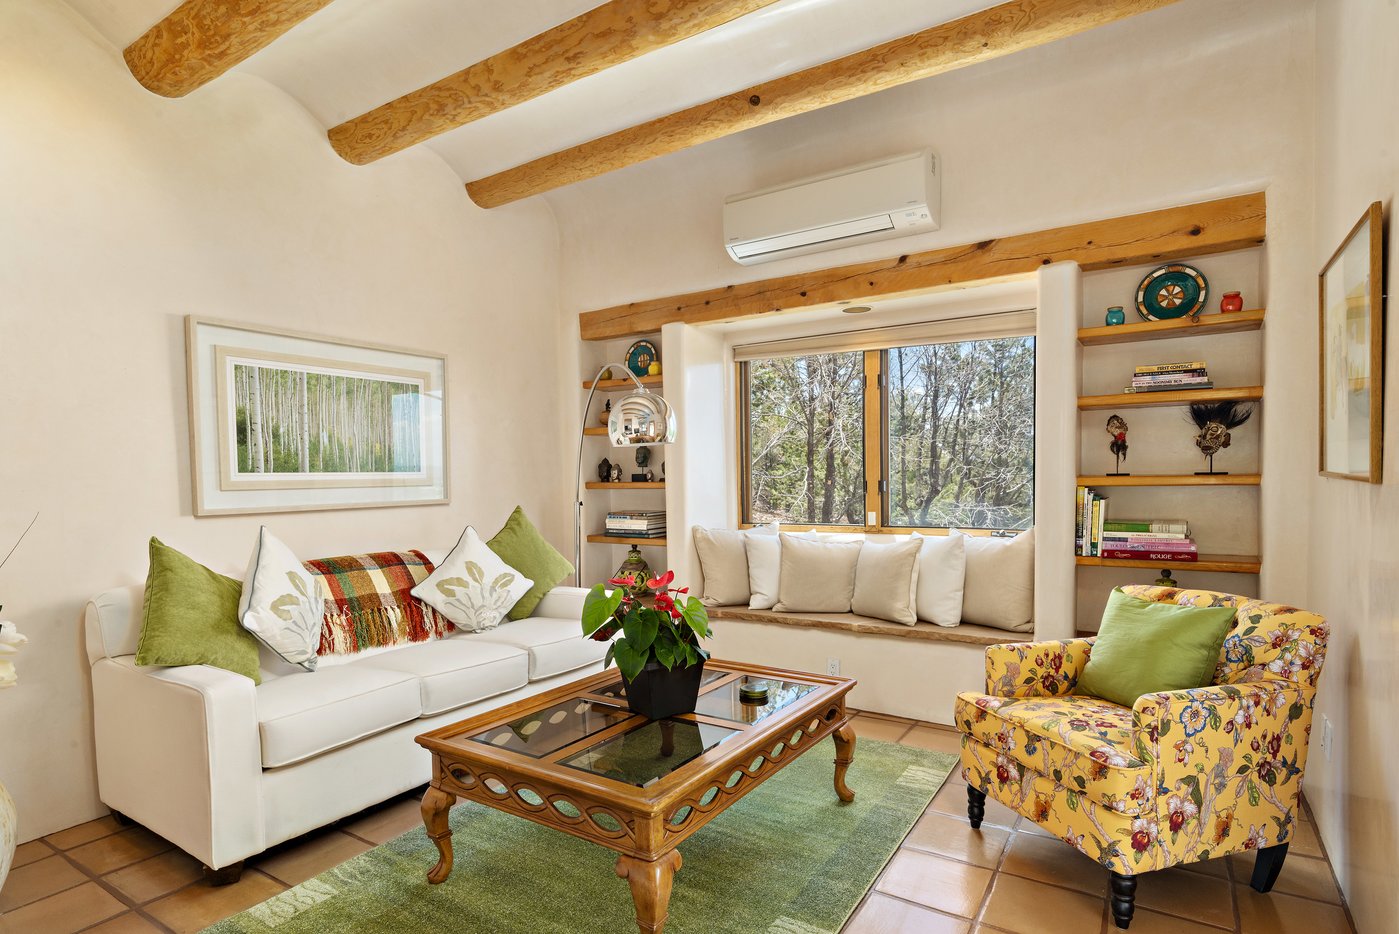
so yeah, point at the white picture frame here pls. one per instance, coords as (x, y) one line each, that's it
(339, 424)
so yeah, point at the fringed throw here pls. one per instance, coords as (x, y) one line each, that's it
(370, 604)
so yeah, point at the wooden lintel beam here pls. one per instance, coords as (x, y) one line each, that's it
(1156, 236)
(1000, 30)
(202, 39)
(610, 34)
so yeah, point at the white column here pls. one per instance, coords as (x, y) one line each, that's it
(1058, 368)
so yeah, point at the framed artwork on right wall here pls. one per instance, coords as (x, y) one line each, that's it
(1352, 353)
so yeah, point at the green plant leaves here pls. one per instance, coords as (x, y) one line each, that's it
(599, 607)
(629, 660)
(640, 627)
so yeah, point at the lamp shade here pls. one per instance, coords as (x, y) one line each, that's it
(641, 417)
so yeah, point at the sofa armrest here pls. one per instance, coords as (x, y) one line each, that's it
(178, 751)
(1035, 669)
(1241, 747)
(563, 603)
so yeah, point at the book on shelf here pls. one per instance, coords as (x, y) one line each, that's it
(1203, 384)
(1184, 545)
(1088, 527)
(1171, 367)
(1109, 536)
(1182, 557)
(1170, 380)
(633, 533)
(1167, 377)
(1179, 526)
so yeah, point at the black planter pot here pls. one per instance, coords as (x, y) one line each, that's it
(659, 692)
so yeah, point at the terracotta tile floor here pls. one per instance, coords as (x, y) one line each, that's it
(946, 879)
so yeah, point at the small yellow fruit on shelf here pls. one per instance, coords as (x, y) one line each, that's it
(654, 369)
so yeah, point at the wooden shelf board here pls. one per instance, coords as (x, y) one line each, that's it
(1235, 564)
(1138, 400)
(612, 385)
(1143, 479)
(626, 485)
(1222, 323)
(596, 430)
(623, 540)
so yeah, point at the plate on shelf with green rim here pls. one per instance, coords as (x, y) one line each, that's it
(640, 356)
(1172, 291)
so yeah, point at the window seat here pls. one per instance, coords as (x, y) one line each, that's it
(849, 622)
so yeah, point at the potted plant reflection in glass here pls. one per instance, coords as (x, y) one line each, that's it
(656, 646)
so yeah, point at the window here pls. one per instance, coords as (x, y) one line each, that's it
(944, 430)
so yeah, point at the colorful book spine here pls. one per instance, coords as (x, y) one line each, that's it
(1171, 379)
(1097, 525)
(1150, 546)
(1144, 536)
(1203, 384)
(1184, 557)
(1079, 494)
(1171, 367)
(1147, 525)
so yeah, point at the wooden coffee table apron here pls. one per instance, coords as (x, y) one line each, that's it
(577, 760)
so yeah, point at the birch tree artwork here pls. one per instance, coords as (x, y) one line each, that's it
(297, 421)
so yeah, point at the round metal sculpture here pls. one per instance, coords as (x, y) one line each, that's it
(1172, 291)
(640, 418)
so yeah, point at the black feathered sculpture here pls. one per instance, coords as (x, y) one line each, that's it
(1215, 420)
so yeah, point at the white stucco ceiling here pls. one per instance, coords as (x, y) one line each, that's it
(356, 54)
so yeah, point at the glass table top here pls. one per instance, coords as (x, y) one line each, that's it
(650, 752)
(726, 703)
(553, 728)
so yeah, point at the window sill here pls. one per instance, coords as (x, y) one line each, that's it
(849, 622)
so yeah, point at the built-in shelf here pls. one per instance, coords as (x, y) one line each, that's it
(1146, 479)
(612, 385)
(1222, 323)
(626, 485)
(624, 540)
(1234, 564)
(596, 430)
(1139, 400)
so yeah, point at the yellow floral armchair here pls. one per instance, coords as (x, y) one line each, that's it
(1182, 776)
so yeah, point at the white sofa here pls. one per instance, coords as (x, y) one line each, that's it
(225, 769)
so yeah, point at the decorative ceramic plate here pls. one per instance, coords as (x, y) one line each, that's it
(640, 356)
(1171, 291)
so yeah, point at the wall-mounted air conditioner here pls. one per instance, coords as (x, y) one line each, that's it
(889, 198)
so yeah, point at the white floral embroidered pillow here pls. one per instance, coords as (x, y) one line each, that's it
(282, 602)
(472, 587)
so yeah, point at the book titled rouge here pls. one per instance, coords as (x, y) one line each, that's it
(1182, 556)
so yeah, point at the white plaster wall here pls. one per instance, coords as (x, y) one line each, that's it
(123, 212)
(1353, 546)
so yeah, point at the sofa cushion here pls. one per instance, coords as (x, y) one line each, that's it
(455, 672)
(554, 645)
(303, 715)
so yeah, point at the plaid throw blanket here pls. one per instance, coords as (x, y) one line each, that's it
(369, 603)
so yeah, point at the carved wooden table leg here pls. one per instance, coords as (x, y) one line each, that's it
(437, 807)
(650, 887)
(845, 754)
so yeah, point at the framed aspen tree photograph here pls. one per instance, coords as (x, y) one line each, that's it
(284, 421)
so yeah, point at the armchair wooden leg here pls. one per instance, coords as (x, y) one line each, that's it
(1124, 897)
(1266, 866)
(976, 806)
(228, 875)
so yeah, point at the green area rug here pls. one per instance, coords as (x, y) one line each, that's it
(786, 859)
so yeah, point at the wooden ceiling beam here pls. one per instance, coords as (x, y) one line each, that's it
(608, 35)
(1156, 236)
(1000, 30)
(202, 39)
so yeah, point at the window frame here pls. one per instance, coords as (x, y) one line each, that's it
(876, 445)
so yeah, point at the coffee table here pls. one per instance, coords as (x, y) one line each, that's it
(576, 759)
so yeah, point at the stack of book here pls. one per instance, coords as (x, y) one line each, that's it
(1164, 376)
(638, 523)
(1092, 513)
(1097, 536)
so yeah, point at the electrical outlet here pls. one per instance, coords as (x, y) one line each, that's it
(1326, 736)
(833, 666)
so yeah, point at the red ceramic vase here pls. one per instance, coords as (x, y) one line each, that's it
(1232, 301)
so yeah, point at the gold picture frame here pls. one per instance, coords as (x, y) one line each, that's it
(1351, 352)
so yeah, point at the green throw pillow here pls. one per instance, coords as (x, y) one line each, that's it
(520, 545)
(1145, 647)
(190, 617)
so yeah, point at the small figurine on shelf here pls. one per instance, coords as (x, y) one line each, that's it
(606, 412)
(616, 473)
(650, 475)
(1232, 301)
(643, 456)
(1215, 420)
(1117, 427)
(604, 470)
(1166, 580)
(1115, 315)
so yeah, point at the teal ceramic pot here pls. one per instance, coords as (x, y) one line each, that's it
(1115, 315)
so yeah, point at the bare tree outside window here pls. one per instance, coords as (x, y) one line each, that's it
(806, 439)
(962, 434)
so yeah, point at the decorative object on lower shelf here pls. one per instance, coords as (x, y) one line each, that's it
(643, 456)
(634, 570)
(656, 646)
(1215, 420)
(604, 470)
(616, 475)
(1117, 428)
(1115, 316)
(1231, 301)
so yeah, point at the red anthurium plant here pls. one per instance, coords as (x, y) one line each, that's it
(662, 623)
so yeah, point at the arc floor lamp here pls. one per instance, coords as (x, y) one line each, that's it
(639, 417)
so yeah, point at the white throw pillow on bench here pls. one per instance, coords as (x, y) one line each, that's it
(723, 557)
(942, 572)
(886, 581)
(1000, 582)
(815, 576)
